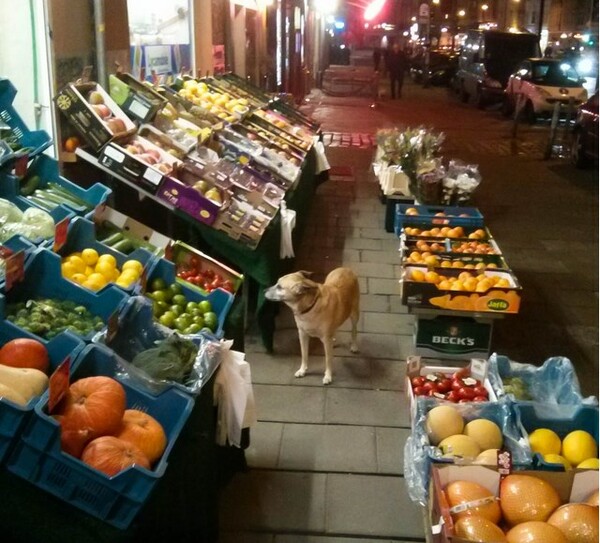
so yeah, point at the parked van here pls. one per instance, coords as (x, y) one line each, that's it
(487, 58)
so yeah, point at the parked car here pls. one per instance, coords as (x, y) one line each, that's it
(542, 82)
(584, 145)
(486, 60)
(442, 68)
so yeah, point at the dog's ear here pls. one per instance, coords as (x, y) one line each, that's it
(302, 288)
(305, 273)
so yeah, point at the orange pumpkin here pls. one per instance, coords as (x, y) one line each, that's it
(111, 455)
(145, 432)
(25, 353)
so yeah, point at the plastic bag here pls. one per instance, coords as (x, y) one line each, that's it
(9, 212)
(419, 453)
(554, 382)
(137, 332)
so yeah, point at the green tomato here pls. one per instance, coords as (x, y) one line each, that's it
(205, 306)
(192, 329)
(180, 299)
(211, 320)
(182, 322)
(190, 307)
(158, 283)
(198, 319)
(175, 288)
(177, 310)
(167, 319)
(160, 296)
(157, 310)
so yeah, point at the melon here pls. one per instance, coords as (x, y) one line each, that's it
(486, 433)
(577, 521)
(467, 492)
(487, 458)
(525, 498)
(479, 529)
(534, 532)
(460, 446)
(442, 422)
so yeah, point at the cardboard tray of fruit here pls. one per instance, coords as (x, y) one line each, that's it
(45, 304)
(479, 291)
(455, 247)
(164, 141)
(276, 143)
(260, 125)
(39, 456)
(447, 381)
(523, 506)
(431, 216)
(464, 261)
(284, 126)
(201, 271)
(94, 114)
(137, 99)
(17, 140)
(140, 161)
(15, 411)
(244, 222)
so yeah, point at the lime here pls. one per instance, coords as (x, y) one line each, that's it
(182, 322)
(157, 309)
(175, 288)
(198, 319)
(190, 307)
(180, 299)
(205, 306)
(160, 296)
(177, 310)
(211, 321)
(192, 329)
(167, 319)
(158, 283)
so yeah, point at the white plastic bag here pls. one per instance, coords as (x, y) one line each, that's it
(288, 223)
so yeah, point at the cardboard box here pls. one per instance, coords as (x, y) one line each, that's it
(137, 99)
(572, 486)
(72, 103)
(417, 365)
(125, 164)
(447, 336)
(495, 299)
(243, 222)
(445, 246)
(154, 135)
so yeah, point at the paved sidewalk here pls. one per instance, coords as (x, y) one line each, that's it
(326, 463)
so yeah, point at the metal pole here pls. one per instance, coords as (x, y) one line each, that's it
(100, 45)
(541, 21)
(553, 125)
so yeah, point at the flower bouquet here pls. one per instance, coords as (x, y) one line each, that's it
(460, 182)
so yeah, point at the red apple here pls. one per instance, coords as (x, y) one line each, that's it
(116, 125)
(101, 110)
(154, 153)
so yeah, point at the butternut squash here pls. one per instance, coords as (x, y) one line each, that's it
(26, 382)
(8, 393)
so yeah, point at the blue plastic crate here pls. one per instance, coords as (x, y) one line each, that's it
(32, 142)
(43, 279)
(47, 169)
(12, 416)
(219, 299)
(82, 235)
(562, 419)
(38, 458)
(58, 214)
(427, 216)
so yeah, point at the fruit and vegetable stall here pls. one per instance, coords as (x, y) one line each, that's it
(499, 450)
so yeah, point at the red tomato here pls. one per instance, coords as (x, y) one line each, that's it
(444, 385)
(466, 392)
(480, 391)
(464, 400)
(456, 384)
(452, 396)
(418, 381)
(228, 286)
(430, 385)
(418, 391)
(463, 372)
(480, 399)
(195, 261)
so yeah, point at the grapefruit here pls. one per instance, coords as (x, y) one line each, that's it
(442, 422)
(544, 441)
(535, 532)
(466, 492)
(479, 529)
(487, 458)
(592, 499)
(459, 445)
(579, 446)
(526, 498)
(577, 521)
(486, 433)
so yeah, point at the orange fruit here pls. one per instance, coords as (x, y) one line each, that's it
(457, 285)
(525, 498)
(415, 256)
(444, 285)
(417, 275)
(458, 264)
(470, 284)
(466, 492)
(577, 521)
(431, 277)
(431, 260)
(446, 264)
(535, 531)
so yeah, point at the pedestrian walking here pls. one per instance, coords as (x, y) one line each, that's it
(376, 58)
(396, 66)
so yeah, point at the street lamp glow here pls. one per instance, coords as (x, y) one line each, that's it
(373, 9)
(484, 7)
(413, 19)
(461, 13)
(325, 6)
(444, 29)
(436, 2)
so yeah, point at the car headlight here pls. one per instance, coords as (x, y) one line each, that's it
(584, 66)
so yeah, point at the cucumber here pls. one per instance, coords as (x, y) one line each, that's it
(41, 203)
(112, 239)
(123, 246)
(68, 195)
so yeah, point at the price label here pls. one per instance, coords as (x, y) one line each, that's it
(144, 280)
(21, 166)
(169, 251)
(112, 327)
(14, 269)
(60, 234)
(59, 384)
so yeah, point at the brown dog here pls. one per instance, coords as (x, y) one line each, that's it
(319, 309)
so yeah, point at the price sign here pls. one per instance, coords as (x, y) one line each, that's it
(60, 234)
(112, 327)
(14, 269)
(21, 165)
(59, 384)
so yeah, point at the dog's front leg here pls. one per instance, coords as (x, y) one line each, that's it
(328, 344)
(304, 340)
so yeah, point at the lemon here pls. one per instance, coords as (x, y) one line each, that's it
(106, 268)
(108, 258)
(133, 265)
(77, 262)
(590, 463)
(579, 446)
(123, 282)
(98, 279)
(79, 278)
(68, 269)
(544, 441)
(88, 271)
(129, 275)
(89, 256)
(557, 459)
